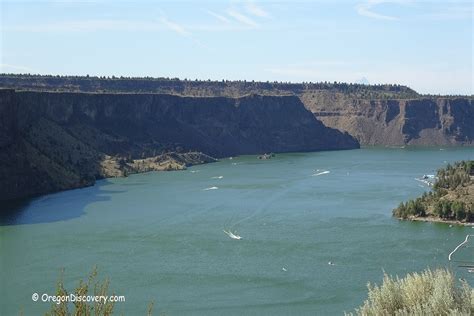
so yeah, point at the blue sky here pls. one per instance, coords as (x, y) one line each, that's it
(424, 44)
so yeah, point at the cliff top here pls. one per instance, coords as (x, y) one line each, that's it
(196, 87)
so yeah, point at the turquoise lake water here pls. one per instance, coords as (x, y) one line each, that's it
(159, 236)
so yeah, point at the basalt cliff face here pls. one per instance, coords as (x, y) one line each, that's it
(387, 115)
(53, 141)
(423, 121)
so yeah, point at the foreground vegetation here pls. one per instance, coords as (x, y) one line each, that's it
(426, 293)
(452, 197)
(90, 287)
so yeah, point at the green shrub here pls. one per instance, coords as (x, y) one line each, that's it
(426, 293)
(89, 287)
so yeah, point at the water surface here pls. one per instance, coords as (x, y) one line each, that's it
(159, 236)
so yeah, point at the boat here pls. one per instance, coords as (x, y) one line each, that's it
(266, 156)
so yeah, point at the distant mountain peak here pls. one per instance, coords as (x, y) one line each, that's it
(363, 80)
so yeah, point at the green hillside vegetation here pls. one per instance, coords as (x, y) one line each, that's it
(427, 293)
(452, 197)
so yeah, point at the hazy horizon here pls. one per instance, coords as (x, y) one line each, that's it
(425, 45)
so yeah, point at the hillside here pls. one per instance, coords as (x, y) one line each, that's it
(452, 198)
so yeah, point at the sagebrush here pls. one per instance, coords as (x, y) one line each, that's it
(427, 293)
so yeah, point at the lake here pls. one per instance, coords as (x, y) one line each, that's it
(159, 236)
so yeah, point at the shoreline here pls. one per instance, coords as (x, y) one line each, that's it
(116, 167)
(432, 219)
(111, 168)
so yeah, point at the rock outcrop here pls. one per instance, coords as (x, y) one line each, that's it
(54, 141)
(424, 121)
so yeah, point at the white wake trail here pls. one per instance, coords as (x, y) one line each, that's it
(232, 235)
(321, 173)
(459, 246)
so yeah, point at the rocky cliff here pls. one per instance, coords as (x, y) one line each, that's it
(52, 141)
(422, 121)
(389, 115)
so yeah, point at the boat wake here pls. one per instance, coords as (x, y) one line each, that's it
(211, 188)
(232, 235)
(459, 246)
(320, 173)
(427, 179)
(217, 177)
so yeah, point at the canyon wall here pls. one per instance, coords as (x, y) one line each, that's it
(52, 141)
(422, 121)
(65, 132)
(387, 115)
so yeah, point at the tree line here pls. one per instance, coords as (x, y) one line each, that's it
(449, 183)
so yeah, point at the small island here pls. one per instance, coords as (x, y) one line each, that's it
(450, 201)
